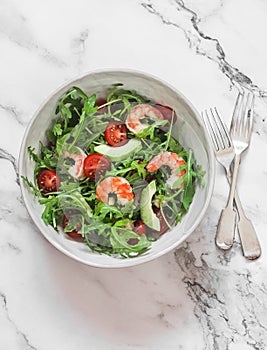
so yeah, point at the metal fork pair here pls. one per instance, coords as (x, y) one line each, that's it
(228, 149)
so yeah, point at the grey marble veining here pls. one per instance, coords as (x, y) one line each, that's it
(226, 316)
(9, 157)
(177, 14)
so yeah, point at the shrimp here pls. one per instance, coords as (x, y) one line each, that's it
(170, 159)
(76, 170)
(133, 120)
(117, 186)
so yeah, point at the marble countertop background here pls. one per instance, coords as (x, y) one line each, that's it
(194, 298)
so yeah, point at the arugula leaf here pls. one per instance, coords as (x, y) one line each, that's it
(61, 143)
(73, 222)
(140, 168)
(200, 175)
(50, 136)
(130, 167)
(169, 133)
(46, 161)
(49, 157)
(102, 210)
(119, 242)
(57, 129)
(188, 190)
(35, 190)
(74, 201)
(128, 95)
(89, 107)
(34, 156)
(123, 223)
(52, 214)
(150, 130)
(72, 108)
(69, 108)
(85, 132)
(107, 228)
(174, 146)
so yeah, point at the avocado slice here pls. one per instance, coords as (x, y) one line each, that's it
(147, 214)
(118, 154)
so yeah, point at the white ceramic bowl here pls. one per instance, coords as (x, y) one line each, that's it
(193, 136)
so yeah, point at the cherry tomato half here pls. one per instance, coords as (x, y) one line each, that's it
(48, 181)
(166, 112)
(163, 225)
(139, 227)
(95, 165)
(74, 233)
(100, 102)
(116, 134)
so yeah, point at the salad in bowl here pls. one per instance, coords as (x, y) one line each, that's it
(111, 174)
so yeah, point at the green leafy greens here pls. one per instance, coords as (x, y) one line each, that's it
(105, 228)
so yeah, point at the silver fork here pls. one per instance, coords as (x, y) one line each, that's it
(225, 153)
(240, 131)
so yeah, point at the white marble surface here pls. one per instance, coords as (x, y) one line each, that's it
(194, 298)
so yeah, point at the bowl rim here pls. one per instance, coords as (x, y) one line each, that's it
(210, 152)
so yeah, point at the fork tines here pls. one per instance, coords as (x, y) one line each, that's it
(241, 125)
(217, 129)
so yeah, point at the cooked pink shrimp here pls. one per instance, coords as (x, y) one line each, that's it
(76, 170)
(117, 186)
(170, 159)
(139, 112)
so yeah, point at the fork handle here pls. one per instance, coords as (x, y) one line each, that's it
(248, 236)
(226, 225)
(226, 228)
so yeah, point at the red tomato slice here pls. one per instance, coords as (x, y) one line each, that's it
(166, 112)
(139, 228)
(163, 225)
(48, 181)
(95, 165)
(116, 134)
(74, 233)
(100, 102)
